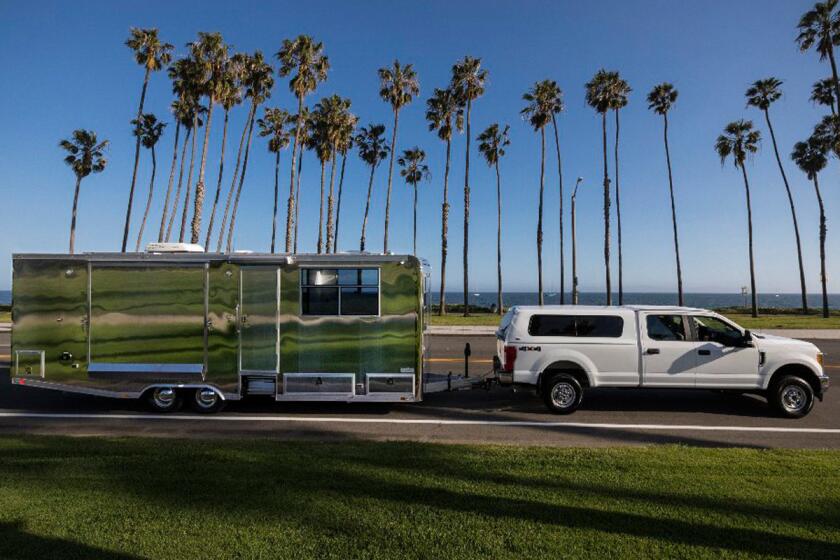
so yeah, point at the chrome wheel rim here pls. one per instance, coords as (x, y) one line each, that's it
(794, 398)
(164, 397)
(563, 394)
(206, 398)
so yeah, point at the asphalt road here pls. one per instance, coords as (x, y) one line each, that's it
(607, 417)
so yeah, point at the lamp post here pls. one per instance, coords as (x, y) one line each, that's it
(575, 293)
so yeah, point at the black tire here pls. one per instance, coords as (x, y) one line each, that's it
(163, 399)
(791, 396)
(206, 401)
(562, 393)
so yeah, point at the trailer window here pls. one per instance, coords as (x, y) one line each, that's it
(342, 291)
(583, 326)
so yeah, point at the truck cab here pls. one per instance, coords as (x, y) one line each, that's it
(564, 350)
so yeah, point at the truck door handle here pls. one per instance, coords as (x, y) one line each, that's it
(652, 351)
(704, 352)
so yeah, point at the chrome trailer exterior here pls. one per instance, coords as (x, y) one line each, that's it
(345, 327)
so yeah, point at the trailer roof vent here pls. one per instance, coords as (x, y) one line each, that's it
(174, 248)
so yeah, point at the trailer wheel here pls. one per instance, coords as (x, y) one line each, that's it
(562, 393)
(206, 400)
(791, 396)
(164, 399)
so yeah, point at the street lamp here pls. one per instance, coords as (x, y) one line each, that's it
(575, 293)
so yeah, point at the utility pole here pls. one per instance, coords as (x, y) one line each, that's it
(575, 293)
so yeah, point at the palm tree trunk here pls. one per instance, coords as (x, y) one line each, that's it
(148, 203)
(241, 180)
(618, 217)
(175, 202)
(792, 213)
(73, 215)
(290, 207)
(171, 181)
(415, 219)
(321, 211)
(562, 244)
(606, 211)
(276, 196)
(467, 216)
(367, 210)
(218, 183)
(500, 310)
(823, 232)
(390, 180)
(188, 190)
(224, 223)
(834, 73)
(331, 204)
(200, 186)
(444, 242)
(673, 215)
(541, 298)
(136, 161)
(338, 206)
(750, 231)
(297, 198)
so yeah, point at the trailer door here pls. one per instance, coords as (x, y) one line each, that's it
(258, 320)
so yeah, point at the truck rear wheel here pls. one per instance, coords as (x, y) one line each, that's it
(562, 393)
(206, 401)
(791, 396)
(163, 399)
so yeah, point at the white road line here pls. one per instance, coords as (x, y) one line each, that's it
(418, 421)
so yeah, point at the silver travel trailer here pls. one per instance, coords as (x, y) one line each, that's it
(206, 328)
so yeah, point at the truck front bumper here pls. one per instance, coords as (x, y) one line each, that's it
(825, 383)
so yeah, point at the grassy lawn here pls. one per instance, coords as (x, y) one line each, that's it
(128, 498)
(5, 316)
(475, 319)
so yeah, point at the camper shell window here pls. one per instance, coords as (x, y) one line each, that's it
(339, 291)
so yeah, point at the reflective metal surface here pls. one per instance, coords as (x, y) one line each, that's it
(258, 319)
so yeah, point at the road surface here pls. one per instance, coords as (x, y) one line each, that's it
(607, 417)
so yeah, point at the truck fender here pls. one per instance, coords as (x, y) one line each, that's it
(568, 360)
(802, 367)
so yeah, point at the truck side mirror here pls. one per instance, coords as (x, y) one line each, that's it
(746, 340)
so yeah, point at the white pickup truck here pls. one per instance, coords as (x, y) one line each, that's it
(564, 350)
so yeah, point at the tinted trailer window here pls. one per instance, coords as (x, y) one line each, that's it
(582, 326)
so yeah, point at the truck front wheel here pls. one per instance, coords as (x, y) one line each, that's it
(791, 396)
(562, 393)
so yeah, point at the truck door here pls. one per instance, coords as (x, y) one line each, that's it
(722, 360)
(669, 355)
(258, 320)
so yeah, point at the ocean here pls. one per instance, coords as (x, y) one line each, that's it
(704, 300)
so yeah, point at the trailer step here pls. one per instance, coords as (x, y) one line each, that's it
(259, 385)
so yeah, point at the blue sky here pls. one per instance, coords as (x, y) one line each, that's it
(67, 68)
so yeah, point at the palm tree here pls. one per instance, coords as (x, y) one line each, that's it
(305, 57)
(275, 125)
(414, 171)
(443, 110)
(598, 97)
(575, 290)
(320, 144)
(811, 158)
(258, 80)
(194, 123)
(468, 80)
(304, 142)
(197, 123)
(345, 144)
(820, 28)
(538, 113)
(152, 55)
(619, 90)
(553, 103)
(822, 93)
(230, 95)
(660, 99)
(150, 131)
(761, 95)
(492, 144)
(184, 74)
(85, 156)
(398, 85)
(211, 54)
(372, 150)
(338, 123)
(738, 140)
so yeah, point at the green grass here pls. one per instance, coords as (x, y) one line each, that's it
(475, 319)
(168, 498)
(5, 316)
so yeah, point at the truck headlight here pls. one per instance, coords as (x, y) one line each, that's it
(820, 358)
